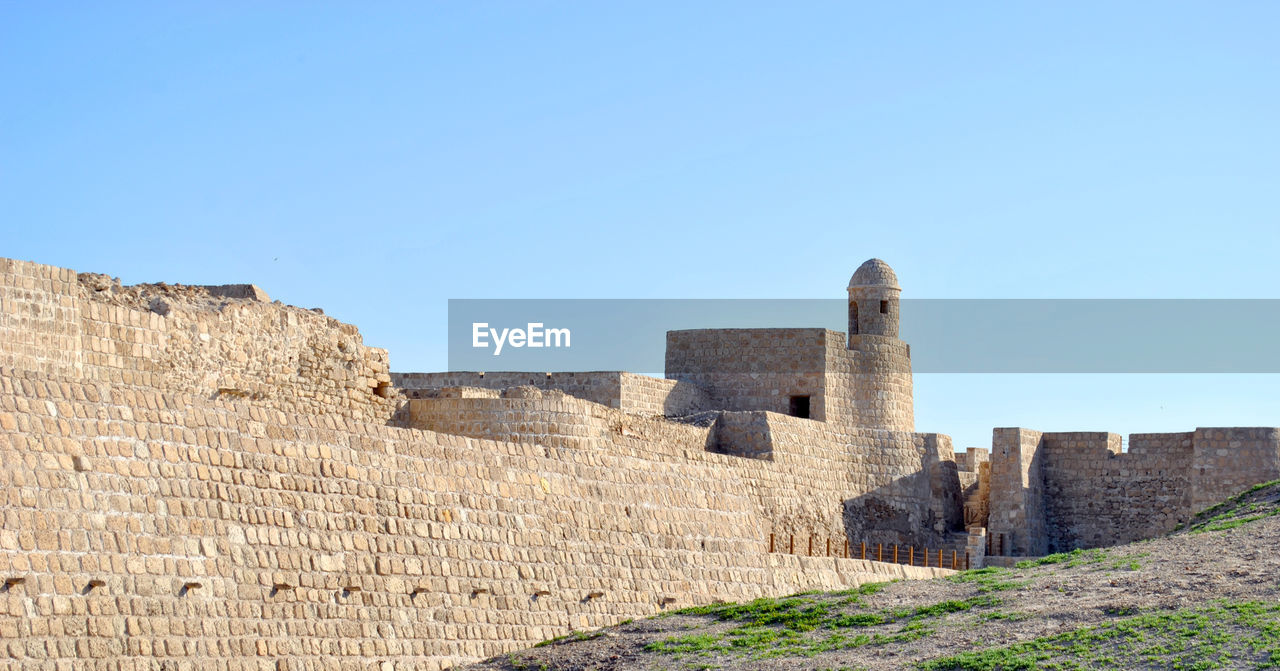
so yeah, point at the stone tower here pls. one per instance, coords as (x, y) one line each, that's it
(882, 368)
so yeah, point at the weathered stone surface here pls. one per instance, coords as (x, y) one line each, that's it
(222, 486)
(197, 478)
(1054, 492)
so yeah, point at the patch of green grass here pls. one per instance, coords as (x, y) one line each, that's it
(869, 588)
(794, 613)
(852, 596)
(953, 606)
(1236, 511)
(1232, 523)
(798, 627)
(860, 620)
(1071, 559)
(989, 579)
(1008, 616)
(1225, 635)
(684, 644)
(1120, 611)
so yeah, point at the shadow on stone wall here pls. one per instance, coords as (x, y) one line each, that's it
(921, 509)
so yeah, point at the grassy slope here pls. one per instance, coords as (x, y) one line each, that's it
(1206, 597)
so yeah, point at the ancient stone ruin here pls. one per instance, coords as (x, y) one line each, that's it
(198, 477)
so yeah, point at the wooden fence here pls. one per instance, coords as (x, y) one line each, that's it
(895, 554)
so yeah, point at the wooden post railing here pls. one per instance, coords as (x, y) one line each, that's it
(895, 552)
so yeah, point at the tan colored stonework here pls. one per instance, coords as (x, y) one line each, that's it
(199, 478)
(196, 478)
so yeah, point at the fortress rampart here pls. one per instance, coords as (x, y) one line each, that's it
(201, 478)
(225, 341)
(196, 477)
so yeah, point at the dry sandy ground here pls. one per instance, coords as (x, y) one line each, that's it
(1179, 573)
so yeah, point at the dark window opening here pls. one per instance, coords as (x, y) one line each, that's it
(884, 307)
(800, 406)
(853, 318)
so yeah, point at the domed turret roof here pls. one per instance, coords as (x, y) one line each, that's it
(874, 273)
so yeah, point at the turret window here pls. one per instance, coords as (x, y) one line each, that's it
(884, 307)
(800, 406)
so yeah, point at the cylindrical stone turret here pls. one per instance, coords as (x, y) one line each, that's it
(882, 369)
(873, 300)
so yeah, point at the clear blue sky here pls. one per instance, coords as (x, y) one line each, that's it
(377, 159)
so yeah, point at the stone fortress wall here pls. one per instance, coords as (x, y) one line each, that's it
(227, 341)
(754, 369)
(195, 477)
(198, 477)
(804, 475)
(1054, 492)
(631, 393)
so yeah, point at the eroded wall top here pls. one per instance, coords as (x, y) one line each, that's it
(213, 341)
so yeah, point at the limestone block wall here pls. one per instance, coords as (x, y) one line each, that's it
(907, 491)
(864, 381)
(525, 414)
(972, 458)
(193, 478)
(753, 369)
(882, 386)
(205, 340)
(744, 434)
(644, 395)
(40, 323)
(1096, 496)
(603, 387)
(1016, 524)
(869, 386)
(803, 477)
(946, 499)
(1054, 492)
(157, 528)
(1229, 460)
(636, 394)
(836, 482)
(973, 470)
